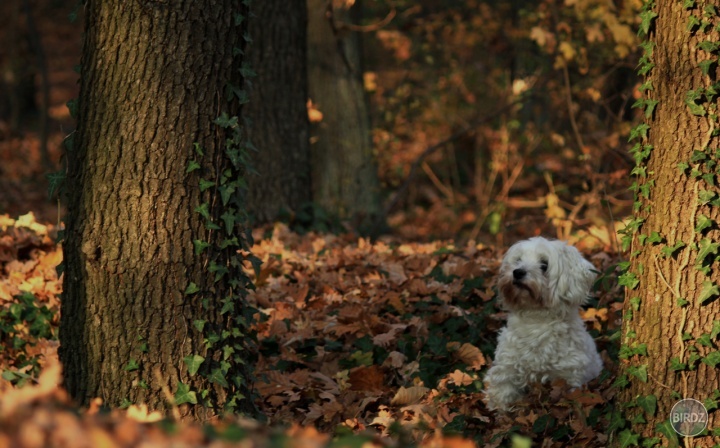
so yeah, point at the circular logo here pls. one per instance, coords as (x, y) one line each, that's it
(688, 417)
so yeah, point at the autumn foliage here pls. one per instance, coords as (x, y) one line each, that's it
(516, 116)
(385, 342)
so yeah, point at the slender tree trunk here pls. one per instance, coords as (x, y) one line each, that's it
(279, 127)
(344, 174)
(140, 305)
(672, 315)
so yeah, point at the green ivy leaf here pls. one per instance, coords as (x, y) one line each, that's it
(665, 428)
(712, 359)
(184, 395)
(682, 166)
(225, 121)
(645, 69)
(246, 71)
(692, 359)
(199, 325)
(640, 372)
(205, 184)
(709, 178)
(621, 382)
(218, 269)
(204, 210)
(707, 291)
(703, 222)
(710, 403)
(655, 238)
(55, 180)
(639, 171)
(715, 329)
(192, 166)
(640, 130)
(211, 225)
(706, 247)
(626, 352)
(704, 340)
(628, 280)
(646, 19)
(230, 219)
(218, 377)
(200, 246)
(193, 363)
(132, 365)
(226, 192)
(706, 65)
(696, 109)
(668, 251)
(648, 404)
(191, 289)
(706, 196)
(676, 365)
(198, 149)
(72, 106)
(227, 307)
(688, 4)
(627, 438)
(650, 107)
(698, 156)
(227, 352)
(709, 46)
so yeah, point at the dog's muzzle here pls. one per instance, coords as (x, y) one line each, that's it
(518, 274)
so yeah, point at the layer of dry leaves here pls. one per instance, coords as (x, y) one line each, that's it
(382, 343)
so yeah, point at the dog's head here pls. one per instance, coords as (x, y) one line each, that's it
(540, 273)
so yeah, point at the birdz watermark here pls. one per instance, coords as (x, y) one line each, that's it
(688, 417)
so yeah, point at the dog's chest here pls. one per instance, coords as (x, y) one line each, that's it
(527, 338)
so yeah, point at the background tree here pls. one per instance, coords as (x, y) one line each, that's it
(669, 339)
(279, 126)
(344, 174)
(154, 284)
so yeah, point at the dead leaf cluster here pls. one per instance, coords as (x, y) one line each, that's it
(383, 341)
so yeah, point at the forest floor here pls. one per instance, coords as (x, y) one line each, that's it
(384, 343)
(362, 343)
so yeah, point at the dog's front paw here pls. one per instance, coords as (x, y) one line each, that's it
(501, 397)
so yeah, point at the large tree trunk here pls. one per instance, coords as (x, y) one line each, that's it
(672, 315)
(137, 298)
(279, 127)
(344, 175)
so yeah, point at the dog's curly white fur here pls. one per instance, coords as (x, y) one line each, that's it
(542, 285)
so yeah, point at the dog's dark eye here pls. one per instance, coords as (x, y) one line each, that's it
(543, 266)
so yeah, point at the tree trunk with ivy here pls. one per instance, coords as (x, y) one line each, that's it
(152, 308)
(279, 126)
(671, 325)
(344, 174)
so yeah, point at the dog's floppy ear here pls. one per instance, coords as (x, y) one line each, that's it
(575, 274)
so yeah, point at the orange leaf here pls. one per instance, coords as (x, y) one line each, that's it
(369, 379)
(409, 395)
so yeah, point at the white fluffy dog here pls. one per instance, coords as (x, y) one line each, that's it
(542, 284)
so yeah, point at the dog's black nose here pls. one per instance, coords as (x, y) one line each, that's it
(519, 274)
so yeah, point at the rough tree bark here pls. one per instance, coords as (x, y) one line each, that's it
(672, 315)
(344, 175)
(137, 298)
(279, 127)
